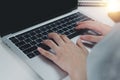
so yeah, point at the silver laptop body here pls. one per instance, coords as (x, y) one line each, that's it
(46, 69)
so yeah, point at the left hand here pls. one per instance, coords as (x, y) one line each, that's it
(69, 57)
(96, 26)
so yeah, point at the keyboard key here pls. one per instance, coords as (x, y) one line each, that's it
(36, 52)
(32, 33)
(33, 43)
(44, 33)
(45, 37)
(60, 31)
(71, 31)
(31, 55)
(26, 35)
(21, 38)
(39, 35)
(49, 31)
(37, 31)
(20, 43)
(66, 33)
(14, 40)
(33, 38)
(43, 46)
(27, 40)
(24, 47)
(43, 29)
(27, 51)
(39, 40)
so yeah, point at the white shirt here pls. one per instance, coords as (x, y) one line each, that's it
(103, 62)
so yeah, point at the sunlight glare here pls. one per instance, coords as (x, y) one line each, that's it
(113, 5)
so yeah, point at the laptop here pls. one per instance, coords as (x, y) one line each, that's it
(26, 23)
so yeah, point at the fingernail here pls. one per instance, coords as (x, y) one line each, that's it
(39, 48)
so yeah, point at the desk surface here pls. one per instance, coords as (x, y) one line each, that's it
(12, 68)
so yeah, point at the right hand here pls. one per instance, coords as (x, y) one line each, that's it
(68, 56)
(101, 28)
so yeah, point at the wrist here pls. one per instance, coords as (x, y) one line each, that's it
(75, 76)
(78, 75)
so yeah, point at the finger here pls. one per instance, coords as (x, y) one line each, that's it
(82, 25)
(47, 54)
(80, 45)
(51, 44)
(91, 38)
(92, 25)
(83, 22)
(65, 38)
(56, 38)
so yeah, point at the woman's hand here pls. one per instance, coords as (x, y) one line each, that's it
(98, 27)
(68, 56)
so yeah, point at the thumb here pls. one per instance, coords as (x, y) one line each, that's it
(80, 45)
(91, 38)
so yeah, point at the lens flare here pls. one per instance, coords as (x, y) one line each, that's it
(113, 5)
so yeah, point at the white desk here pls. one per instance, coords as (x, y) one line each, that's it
(12, 68)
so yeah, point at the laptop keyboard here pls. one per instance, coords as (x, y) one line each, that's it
(29, 41)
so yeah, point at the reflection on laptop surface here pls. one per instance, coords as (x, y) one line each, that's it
(26, 23)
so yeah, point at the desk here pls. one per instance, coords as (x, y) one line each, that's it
(12, 68)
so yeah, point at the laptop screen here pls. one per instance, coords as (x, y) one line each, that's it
(17, 15)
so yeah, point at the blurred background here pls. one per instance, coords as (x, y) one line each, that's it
(113, 7)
